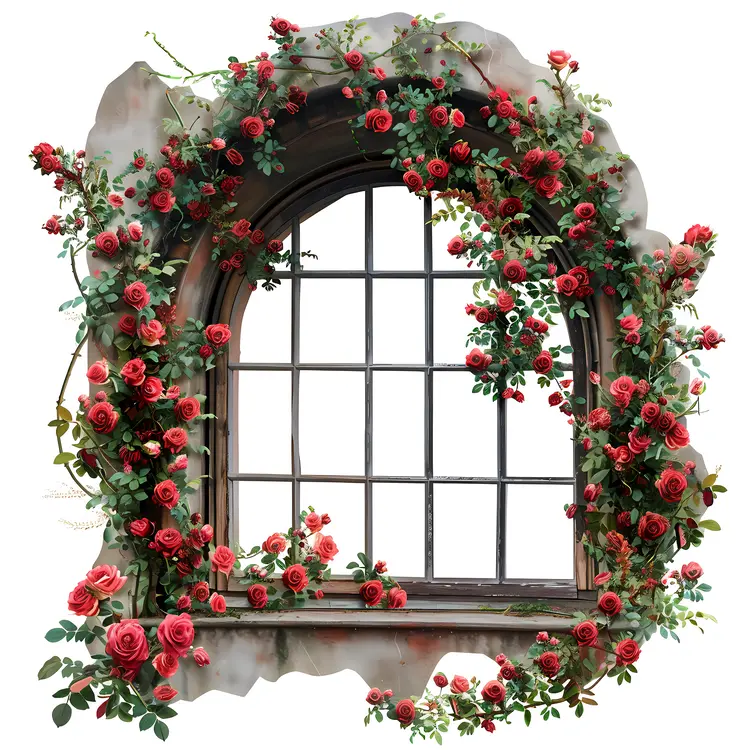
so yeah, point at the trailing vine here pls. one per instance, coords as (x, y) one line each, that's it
(643, 499)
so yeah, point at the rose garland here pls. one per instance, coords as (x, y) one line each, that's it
(133, 437)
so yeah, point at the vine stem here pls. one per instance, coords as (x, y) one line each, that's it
(468, 57)
(174, 109)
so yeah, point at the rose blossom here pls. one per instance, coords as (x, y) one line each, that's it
(218, 334)
(586, 633)
(558, 59)
(494, 692)
(622, 390)
(325, 548)
(514, 271)
(313, 522)
(166, 494)
(371, 592)
(257, 595)
(549, 663)
(166, 664)
(82, 602)
(201, 657)
(187, 409)
(413, 180)
(440, 680)
(105, 580)
(374, 697)
(98, 373)
(609, 604)
(651, 526)
(295, 578)
(176, 634)
(141, 527)
(627, 652)
(151, 389)
(136, 295)
(459, 684)
(222, 560)
(128, 646)
(103, 417)
(167, 542)
(378, 120)
(218, 603)
(396, 598)
(599, 419)
(542, 363)
(478, 360)
(671, 484)
(175, 439)
(275, 544)
(164, 693)
(405, 711)
(692, 571)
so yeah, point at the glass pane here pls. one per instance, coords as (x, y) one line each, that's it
(336, 234)
(539, 438)
(263, 508)
(345, 504)
(264, 422)
(398, 527)
(332, 320)
(398, 304)
(464, 428)
(442, 234)
(267, 325)
(398, 424)
(332, 422)
(540, 538)
(451, 323)
(398, 230)
(465, 540)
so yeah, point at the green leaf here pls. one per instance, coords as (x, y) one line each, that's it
(55, 635)
(161, 730)
(52, 665)
(61, 714)
(710, 525)
(146, 722)
(64, 458)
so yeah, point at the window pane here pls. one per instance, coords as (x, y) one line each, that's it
(264, 508)
(345, 504)
(465, 540)
(442, 234)
(267, 325)
(464, 428)
(398, 306)
(398, 527)
(398, 424)
(398, 230)
(451, 323)
(332, 422)
(264, 422)
(539, 438)
(336, 234)
(332, 325)
(540, 538)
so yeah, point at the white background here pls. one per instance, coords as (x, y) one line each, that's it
(674, 71)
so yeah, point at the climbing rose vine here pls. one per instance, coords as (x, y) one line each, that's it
(643, 499)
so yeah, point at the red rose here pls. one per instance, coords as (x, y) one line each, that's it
(136, 295)
(374, 697)
(566, 284)
(627, 652)
(514, 271)
(162, 200)
(651, 526)
(275, 544)
(166, 664)
(201, 657)
(440, 680)
(164, 693)
(396, 598)
(548, 186)
(677, 437)
(636, 442)
(438, 168)
(549, 663)
(405, 711)
(313, 522)
(186, 409)
(295, 578)
(175, 439)
(671, 484)
(264, 69)
(585, 211)
(222, 560)
(460, 153)
(165, 177)
(98, 373)
(439, 117)
(456, 246)
(176, 634)
(105, 580)
(477, 360)
(494, 692)
(459, 684)
(371, 592)
(166, 494)
(257, 595)
(508, 671)
(378, 120)
(103, 417)
(128, 646)
(252, 127)
(622, 390)
(127, 325)
(609, 604)
(510, 207)
(217, 603)
(413, 180)
(82, 602)
(234, 157)
(457, 118)
(692, 571)
(281, 26)
(710, 339)
(133, 373)
(558, 59)
(599, 419)
(218, 334)
(325, 548)
(586, 633)
(167, 542)
(354, 59)
(697, 233)
(650, 412)
(151, 389)
(107, 243)
(542, 363)
(141, 527)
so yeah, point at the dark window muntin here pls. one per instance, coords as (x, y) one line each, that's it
(312, 203)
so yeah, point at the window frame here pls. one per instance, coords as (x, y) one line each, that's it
(229, 305)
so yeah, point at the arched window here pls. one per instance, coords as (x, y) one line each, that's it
(346, 390)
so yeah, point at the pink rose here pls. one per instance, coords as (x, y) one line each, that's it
(176, 634)
(104, 581)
